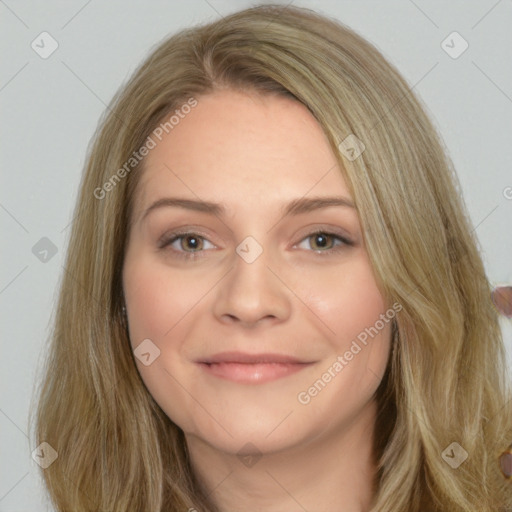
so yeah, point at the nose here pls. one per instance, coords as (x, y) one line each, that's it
(252, 292)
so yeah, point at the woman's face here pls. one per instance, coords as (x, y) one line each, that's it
(251, 280)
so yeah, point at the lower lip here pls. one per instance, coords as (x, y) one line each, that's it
(257, 373)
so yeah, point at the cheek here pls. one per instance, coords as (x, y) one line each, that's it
(158, 299)
(347, 300)
(356, 322)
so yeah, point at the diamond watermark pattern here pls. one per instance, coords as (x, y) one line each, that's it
(454, 45)
(44, 45)
(454, 455)
(351, 147)
(45, 455)
(146, 352)
(44, 250)
(249, 455)
(249, 249)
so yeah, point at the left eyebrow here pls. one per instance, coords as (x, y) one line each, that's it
(295, 207)
(305, 205)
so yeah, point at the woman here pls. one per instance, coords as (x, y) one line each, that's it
(210, 351)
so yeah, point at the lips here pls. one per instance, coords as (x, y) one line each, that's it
(246, 368)
(241, 357)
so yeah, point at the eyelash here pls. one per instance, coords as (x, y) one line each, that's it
(196, 254)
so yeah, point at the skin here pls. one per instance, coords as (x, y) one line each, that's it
(254, 154)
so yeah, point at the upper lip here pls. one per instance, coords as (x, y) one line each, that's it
(241, 357)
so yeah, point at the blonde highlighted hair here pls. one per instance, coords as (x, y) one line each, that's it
(446, 380)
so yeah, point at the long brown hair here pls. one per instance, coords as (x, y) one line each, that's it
(446, 381)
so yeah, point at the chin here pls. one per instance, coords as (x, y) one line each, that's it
(247, 439)
(269, 431)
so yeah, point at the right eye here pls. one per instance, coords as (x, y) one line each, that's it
(189, 243)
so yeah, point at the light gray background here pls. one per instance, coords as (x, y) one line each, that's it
(50, 108)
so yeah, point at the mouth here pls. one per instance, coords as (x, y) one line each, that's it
(252, 368)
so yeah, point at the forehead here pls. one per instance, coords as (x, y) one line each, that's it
(242, 148)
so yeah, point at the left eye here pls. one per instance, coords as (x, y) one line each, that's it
(324, 241)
